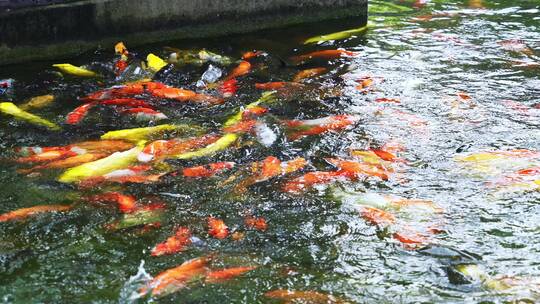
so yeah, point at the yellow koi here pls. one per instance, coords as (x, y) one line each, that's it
(11, 109)
(74, 70)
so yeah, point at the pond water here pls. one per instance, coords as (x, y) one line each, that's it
(446, 92)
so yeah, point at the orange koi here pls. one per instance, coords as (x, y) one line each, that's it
(207, 170)
(298, 128)
(410, 239)
(126, 203)
(311, 179)
(268, 168)
(124, 91)
(217, 228)
(23, 213)
(245, 126)
(387, 100)
(76, 116)
(253, 112)
(160, 149)
(54, 153)
(326, 54)
(252, 54)
(365, 84)
(176, 278)
(258, 223)
(311, 297)
(384, 155)
(220, 276)
(355, 169)
(242, 69)
(377, 217)
(65, 163)
(173, 244)
(309, 73)
(270, 86)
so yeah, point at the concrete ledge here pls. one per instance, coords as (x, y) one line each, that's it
(44, 32)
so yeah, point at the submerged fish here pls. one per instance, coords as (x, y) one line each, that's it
(217, 228)
(177, 278)
(126, 203)
(207, 170)
(145, 114)
(173, 244)
(38, 102)
(24, 213)
(65, 163)
(325, 54)
(242, 69)
(11, 109)
(309, 73)
(311, 297)
(299, 128)
(223, 275)
(269, 168)
(337, 36)
(258, 223)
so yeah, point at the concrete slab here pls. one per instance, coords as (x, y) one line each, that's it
(44, 31)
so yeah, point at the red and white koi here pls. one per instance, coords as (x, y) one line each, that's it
(300, 128)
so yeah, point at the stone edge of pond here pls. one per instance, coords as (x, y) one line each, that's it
(66, 30)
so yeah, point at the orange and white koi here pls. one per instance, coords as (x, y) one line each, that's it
(268, 168)
(309, 73)
(217, 228)
(160, 149)
(300, 128)
(326, 54)
(50, 155)
(173, 244)
(311, 179)
(24, 213)
(228, 88)
(176, 278)
(220, 276)
(207, 170)
(242, 69)
(145, 114)
(134, 174)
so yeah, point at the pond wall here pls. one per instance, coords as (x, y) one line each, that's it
(41, 29)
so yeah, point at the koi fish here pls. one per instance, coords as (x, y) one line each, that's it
(115, 161)
(126, 102)
(134, 174)
(219, 145)
(355, 169)
(253, 112)
(173, 244)
(223, 275)
(268, 168)
(38, 102)
(160, 149)
(312, 297)
(126, 203)
(207, 170)
(147, 216)
(138, 134)
(270, 85)
(77, 115)
(75, 70)
(176, 278)
(228, 88)
(337, 36)
(65, 163)
(252, 54)
(155, 89)
(387, 100)
(23, 213)
(258, 223)
(98, 146)
(377, 217)
(155, 63)
(145, 114)
(311, 179)
(300, 128)
(10, 108)
(267, 97)
(242, 69)
(244, 126)
(326, 54)
(517, 46)
(217, 228)
(52, 155)
(309, 73)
